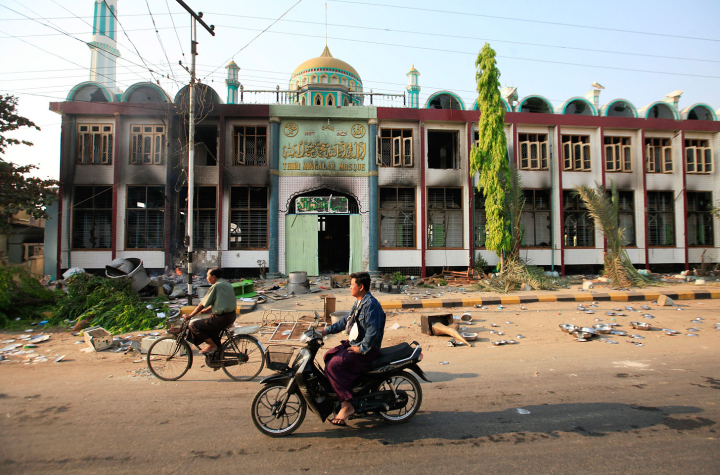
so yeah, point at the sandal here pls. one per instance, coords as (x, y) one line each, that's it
(207, 352)
(338, 422)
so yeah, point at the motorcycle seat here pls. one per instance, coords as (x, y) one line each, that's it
(392, 353)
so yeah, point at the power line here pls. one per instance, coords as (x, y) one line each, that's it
(175, 28)
(157, 33)
(133, 44)
(495, 17)
(258, 35)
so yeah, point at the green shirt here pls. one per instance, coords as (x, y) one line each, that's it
(222, 298)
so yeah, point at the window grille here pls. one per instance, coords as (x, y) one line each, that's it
(535, 219)
(576, 153)
(445, 218)
(95, 144)
(700, 218)
(395, 148)
(661, 218)
(626, 217)
(92, 217)
(147, 145)
(397, 218)
(145, 217)
(618, 154)
(204, 216)
(250, 146)
(658, 155)
(579, 228)
(698, 156)
(480, 220)
(248, 217)
(533, 151)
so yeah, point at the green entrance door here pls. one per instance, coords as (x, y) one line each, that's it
(301, 243)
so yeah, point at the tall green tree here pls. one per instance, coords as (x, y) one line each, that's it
(489, 157)
(17, 191)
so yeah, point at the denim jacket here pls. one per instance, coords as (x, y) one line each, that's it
(370, 322)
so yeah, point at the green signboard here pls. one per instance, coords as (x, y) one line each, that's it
(323, 147)
(321, 205)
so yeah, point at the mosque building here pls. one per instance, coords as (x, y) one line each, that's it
(319, 179)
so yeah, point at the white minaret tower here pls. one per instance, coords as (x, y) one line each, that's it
(104, 44)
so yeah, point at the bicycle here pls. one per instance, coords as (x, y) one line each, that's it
(240, 355)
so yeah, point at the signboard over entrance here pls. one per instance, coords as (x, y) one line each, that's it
(323, 148)
(321, 205)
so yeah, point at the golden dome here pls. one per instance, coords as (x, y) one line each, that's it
(326, 60)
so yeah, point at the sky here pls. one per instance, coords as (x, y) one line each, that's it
(638, 50)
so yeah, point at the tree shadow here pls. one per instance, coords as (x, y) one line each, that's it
(548, 421)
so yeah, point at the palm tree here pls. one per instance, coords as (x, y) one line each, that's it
(603, 208)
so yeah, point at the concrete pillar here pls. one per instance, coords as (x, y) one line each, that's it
(273, 212)
(373, 202)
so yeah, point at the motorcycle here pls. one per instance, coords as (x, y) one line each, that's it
(387, 389)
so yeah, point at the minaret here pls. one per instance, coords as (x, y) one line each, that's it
(413, 88)
(104, 44)
(232, 82)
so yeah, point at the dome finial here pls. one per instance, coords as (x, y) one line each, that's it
(326, 53)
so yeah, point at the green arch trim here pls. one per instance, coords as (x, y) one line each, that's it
(646, 110)
(507, 106)
(526, 98)
(686, 112)
(138, 85)
(606, 107)
(578, 98)
(71, 95)
(449, 93)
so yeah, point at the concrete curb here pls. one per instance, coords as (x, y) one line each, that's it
(579, 297)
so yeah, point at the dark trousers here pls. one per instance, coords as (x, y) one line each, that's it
(201, 330)
(343, 368)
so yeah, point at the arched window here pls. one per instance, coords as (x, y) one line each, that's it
(318, 100)
(330, 101)
(620, 109)
(346, 102)
(323, 79)
(660, 111)
(302, 101)
(334, 80)
(313, 80)
(305, 81)
(444, 101)
(344, 81)
(578, 107)
(536, 105)
(700, 113)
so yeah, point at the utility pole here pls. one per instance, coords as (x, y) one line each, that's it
(197, 17)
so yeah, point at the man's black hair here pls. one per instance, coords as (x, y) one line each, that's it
(362, 278)
(216, 272)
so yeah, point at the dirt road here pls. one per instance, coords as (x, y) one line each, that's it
(585, 407)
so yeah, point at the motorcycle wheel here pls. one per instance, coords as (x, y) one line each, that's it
(404, 382)
(265, 408)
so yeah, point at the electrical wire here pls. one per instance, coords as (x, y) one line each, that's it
(157, 33)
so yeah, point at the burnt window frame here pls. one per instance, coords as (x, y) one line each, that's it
(658, 211)
(139, 134)
(533, 208)
(704, 219)
(257, 212)
(626, 211)
(445, 211)
(570, 145)
(574, 206)
(480, 220)
(204, 213)
(410, 212)
(655, 146)
(148, 213)
(259, 140)
(398, 143)
(618, 154)
(454, 160)
(98, 205)
(533, 139)
(703, 166)
(86, 152)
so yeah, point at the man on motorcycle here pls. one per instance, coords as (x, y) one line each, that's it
(365, 326)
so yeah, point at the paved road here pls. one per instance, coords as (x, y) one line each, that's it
(593, 407)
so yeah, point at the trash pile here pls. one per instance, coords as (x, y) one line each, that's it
(26, 347)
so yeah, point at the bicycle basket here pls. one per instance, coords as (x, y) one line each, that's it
(278, 357)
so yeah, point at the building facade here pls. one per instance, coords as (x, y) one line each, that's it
(316, 179)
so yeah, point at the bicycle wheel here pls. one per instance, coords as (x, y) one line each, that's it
(242, 357)
(169, 358)
(266, 413)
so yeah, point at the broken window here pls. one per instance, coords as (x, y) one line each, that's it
(395, 148)
(535, 219)
(445, 101)
(204, 216)
(661, 218)
(145, 217)
(206, 142)
(579, 228)
(658, 155)
(95, 144)
(250, 146)
(147, 144)
(620, 109)
(660, 111)
(700, 218)
(576, 153)
(92, 217)
(445, 218)
(248, 217)
(700, 113)
(443, 150)
(533, 151)
(536, 105)
(618, 154)
(397, 217)
(698, 156)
